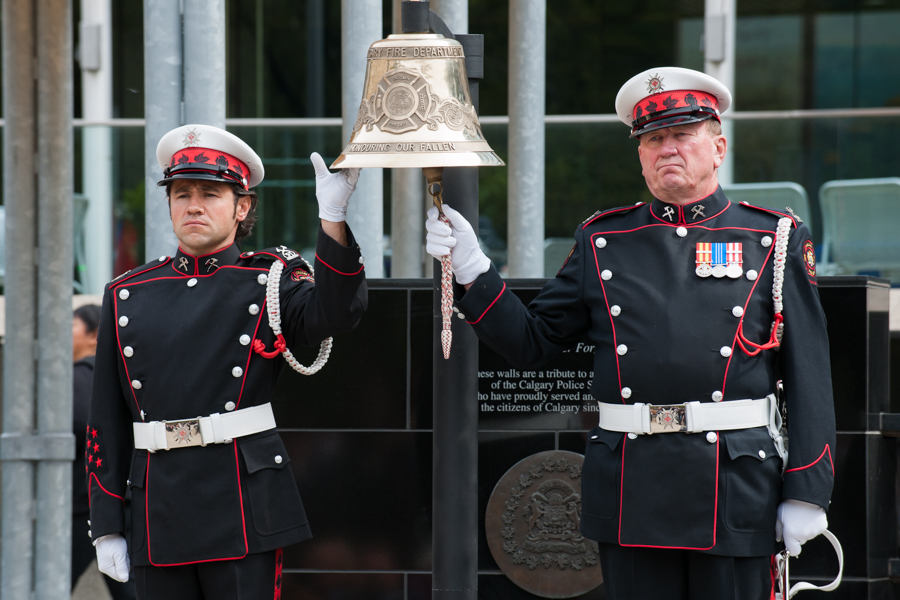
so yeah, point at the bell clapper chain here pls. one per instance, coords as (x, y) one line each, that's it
(435, 188)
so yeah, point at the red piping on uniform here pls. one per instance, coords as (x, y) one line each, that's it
(609, 212)
(503, 289)
(689, 227)
(827, 450)
(611, 323)
(319, 258)
(119, 343)
(250, 355)
(284, 262)
(194, 562)
(771, 211)
(97, 479)
(622, 492)
(773, 575)
(739, 332)
(119, 282)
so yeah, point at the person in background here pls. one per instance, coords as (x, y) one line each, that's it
(85, 322)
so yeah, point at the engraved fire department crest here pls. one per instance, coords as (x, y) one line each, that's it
(191, 138)
(182, 433)
(403, 102)
(532, 524)
(655, 84)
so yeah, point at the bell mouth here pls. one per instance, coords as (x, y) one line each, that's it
(412, 160)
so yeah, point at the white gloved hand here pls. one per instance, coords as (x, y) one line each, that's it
(112, 556)
(333, 190)
(459, 241)
(798, 522)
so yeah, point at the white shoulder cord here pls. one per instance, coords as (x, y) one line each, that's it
(273, 308)
(781, 242)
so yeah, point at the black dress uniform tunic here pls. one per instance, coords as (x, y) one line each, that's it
(176, 341)
(665, 335)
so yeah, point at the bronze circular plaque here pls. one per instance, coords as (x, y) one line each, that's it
(532, 526)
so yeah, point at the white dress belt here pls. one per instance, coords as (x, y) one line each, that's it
(200, 431)
(690, 417)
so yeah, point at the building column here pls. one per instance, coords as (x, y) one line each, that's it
(720, 17)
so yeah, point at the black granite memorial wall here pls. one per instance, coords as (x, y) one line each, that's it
(359, 435)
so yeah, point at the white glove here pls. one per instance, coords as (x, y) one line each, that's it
(459, 241)
(798, 522)
(112, 556)
(333, 190)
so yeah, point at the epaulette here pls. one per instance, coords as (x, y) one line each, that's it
(282, 253)
(605, 213)
(795, 220)
(161, 261)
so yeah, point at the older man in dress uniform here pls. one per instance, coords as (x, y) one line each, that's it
(698, 307)
(186, 362)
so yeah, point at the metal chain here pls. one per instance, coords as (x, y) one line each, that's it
(273, 308)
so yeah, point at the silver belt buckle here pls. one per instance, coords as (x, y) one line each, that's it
(667, 418)
(183, 433)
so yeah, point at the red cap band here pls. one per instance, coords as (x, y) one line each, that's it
(214, 158)
(685, 99)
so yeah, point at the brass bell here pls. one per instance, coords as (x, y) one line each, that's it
(416, 109)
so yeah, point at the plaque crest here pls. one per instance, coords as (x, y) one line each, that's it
(533, 524)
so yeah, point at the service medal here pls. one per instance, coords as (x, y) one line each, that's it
(704, 259)
(735, 258)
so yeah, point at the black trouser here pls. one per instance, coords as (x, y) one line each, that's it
(656, 574)
(83, 554)
(254, 577)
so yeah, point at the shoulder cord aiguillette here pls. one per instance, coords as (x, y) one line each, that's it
(273, 308)
(782, 234)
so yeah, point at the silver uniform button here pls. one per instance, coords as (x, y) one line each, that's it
(163, 258)
(143, 414)
(632, 436)
(752, 275)
(606, 275)
(725, 351)
(626, 392)
(593, 437)
(762, 454)
(737, 311)
(461, 316)
(123, 321)
(229, 406)
(123, 294)
(251, 253)
(711, 437)
(600, 242)
(262, 279)
(237, 372)
(717, 396)
(136, 385)
(615, 310)
(278, 459)
(254, 309)
(192, 282)
(245, 339)
(128, 351)
(362, 259)
(621, 349)
(681, 232)
(766, 241)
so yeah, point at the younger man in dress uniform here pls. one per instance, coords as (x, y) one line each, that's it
(698, 306)
(186, 362)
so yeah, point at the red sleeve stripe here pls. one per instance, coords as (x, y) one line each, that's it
(319, 258)
(827, 451)
(503, 289)
(94, 477)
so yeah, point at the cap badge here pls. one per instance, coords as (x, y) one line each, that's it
(191, 138)
(655, 84)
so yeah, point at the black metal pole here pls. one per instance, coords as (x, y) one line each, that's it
(455, 387)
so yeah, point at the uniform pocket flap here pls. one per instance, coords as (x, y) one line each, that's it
(753, 442)
(610, 438)
(264, 452)
(138, 469)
